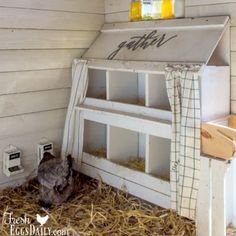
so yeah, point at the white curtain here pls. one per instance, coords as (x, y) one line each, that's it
(70, 143)
(183, 87)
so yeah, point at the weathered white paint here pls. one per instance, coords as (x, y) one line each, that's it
(123, 144)
(158, 156)
(31, 123)
(45, 39)
(157, 100)
(16, 104)
(218, 198)
(129, 108)
(97, 6)
(129, 121)
(124, 122)
(123, 87)
(138, 183)
(38, 42)
(218, 7)
(191, 40)
(21, 60)
(118, 11)
(30, 81)
(203, 221)
(43, 19)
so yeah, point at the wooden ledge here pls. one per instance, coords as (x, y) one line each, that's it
(218, 138)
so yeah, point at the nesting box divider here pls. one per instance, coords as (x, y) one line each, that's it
(157, 92)
(95, 138)
(97, 84)
(127, 87)
(158, 156)
(139, 95)
(125, 145)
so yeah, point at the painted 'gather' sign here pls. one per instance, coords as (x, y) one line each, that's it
(144, 41)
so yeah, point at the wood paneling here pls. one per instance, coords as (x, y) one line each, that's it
(118, 12)
(113, 6)
(31, 123)
(233, 63)
(38, 42)
(117, 17)
(39, 19)
(213, 10)
(21, 60)
(91, 6)
(29, 81)
(233, 88)
(45, 39)
(15, 104)
(206, 2)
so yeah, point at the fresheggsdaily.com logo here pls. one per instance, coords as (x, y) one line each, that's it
(22, 226)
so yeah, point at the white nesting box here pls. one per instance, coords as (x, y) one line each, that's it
(126, 113)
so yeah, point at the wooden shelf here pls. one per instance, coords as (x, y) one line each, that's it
(129, 108)
(218, 138)
(141, 184)
(147, 125)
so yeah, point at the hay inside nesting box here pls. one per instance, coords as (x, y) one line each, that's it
(99, 152)
(95, 209)
(135, 163)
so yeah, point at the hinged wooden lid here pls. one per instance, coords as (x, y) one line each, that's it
(190, 40)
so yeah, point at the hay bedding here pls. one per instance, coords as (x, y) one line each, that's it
(96, 209)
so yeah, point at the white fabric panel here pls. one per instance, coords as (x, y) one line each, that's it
(183, 84)
(78, 93)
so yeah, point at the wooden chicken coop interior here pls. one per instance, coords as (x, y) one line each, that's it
(118, 122)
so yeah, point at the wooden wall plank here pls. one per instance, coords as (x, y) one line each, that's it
(15, 104)
(213, 10)
(233, 88)
(219, 169)
(208, 2)
(27, 124)
(29, 81)
(203, 214)
(233, 38)
(39, 19)
(94, 6)
(38, 42)
(117, 17)
(111, 6)
(45, 39)
(21, 60)
(233, 63)
(233, 107)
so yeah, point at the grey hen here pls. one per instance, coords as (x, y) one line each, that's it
(56, 179)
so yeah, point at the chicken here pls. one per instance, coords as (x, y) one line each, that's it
(42, 219)
(56, 179)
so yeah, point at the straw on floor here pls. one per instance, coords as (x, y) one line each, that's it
(95, 209)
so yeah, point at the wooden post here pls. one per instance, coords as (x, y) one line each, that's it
(234, 192)
(219, 169)
(203, 219)
(80, 130)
